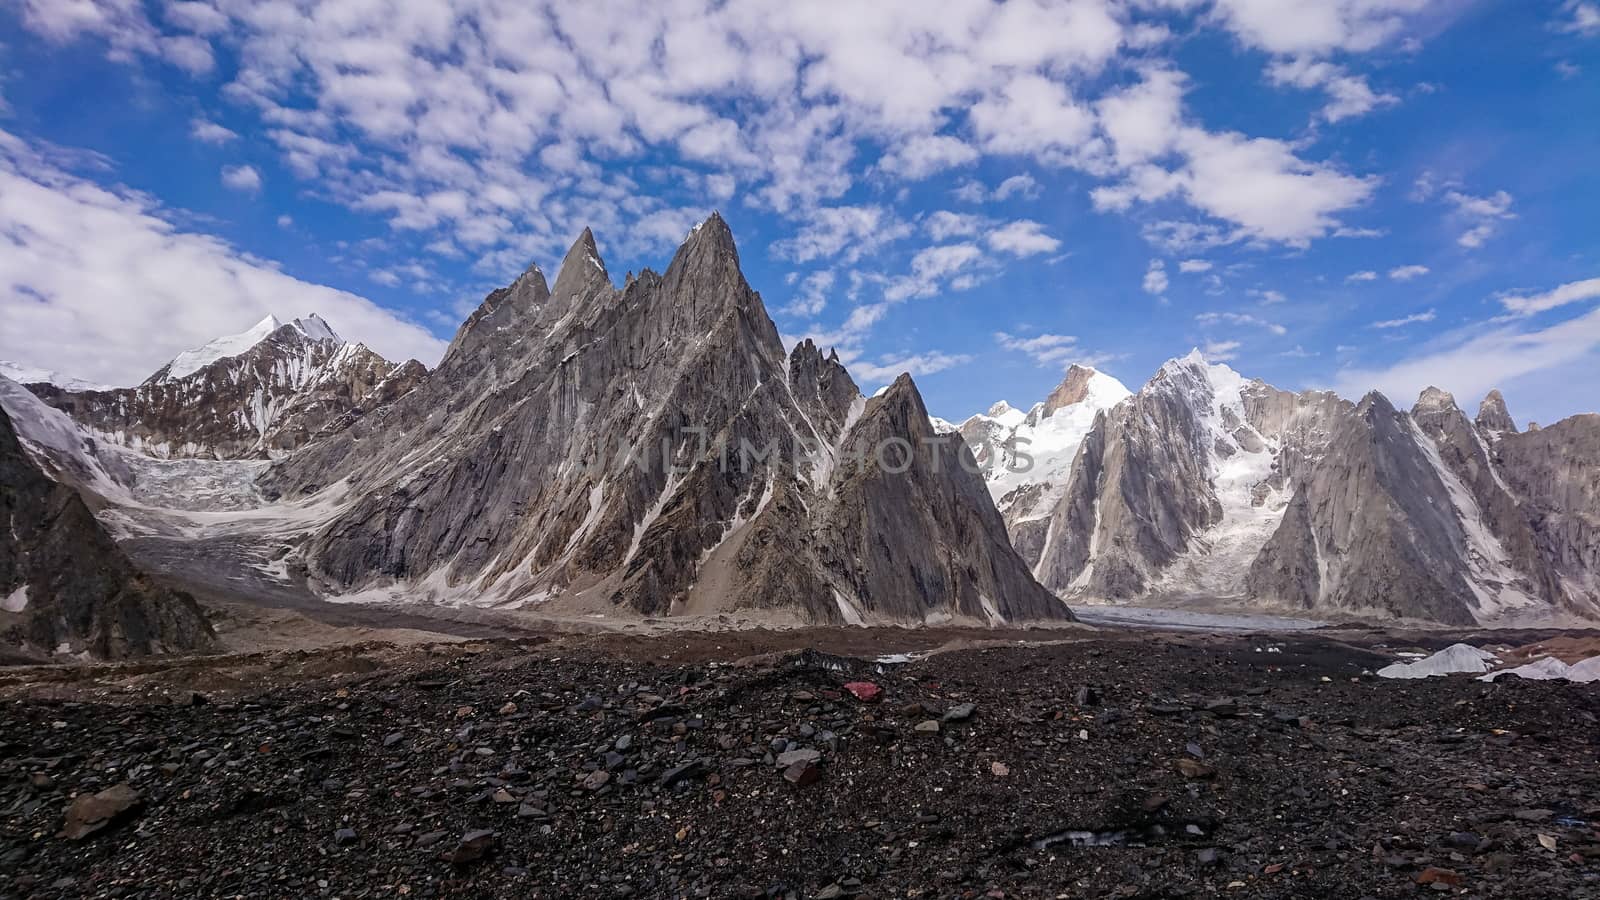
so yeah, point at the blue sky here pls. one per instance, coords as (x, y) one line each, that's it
(1349, 194)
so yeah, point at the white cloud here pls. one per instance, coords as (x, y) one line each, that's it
(194, 16)
(285, 221)
(971, 191)
(1022, 185)
(1155, 278)
(1585, 18)
(1366, 275)
(1290, 27)
(1259, 185)
(929, 268)
(890, 368)
(242, 178)
(1571, 292)
(1483, 214)
(1194, 265)
(943, 224)
(812, 297)
(1472, 361)
(1023, 237)
(189, 53)
(1035, 116)
(210, 132)
(1348, 95)
(1050, 350)
(1220, 351)
(1407, 273)
(928, 154)
(1143, 121)
(1268, 297)
(848, 232)
(72, 243)
(1228, 318)
(1413, 319)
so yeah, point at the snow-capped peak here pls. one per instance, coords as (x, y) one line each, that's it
(1037, 447)
(22, 374)
(191, 361)
(317, 329)
(1007, 415)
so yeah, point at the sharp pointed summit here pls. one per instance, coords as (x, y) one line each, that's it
(1493, 417)
(582, 270)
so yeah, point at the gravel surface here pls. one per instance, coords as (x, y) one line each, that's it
(1241, 767)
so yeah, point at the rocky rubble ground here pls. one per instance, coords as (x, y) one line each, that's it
(1090, 768)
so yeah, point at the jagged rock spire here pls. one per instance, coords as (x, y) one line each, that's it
(1493, 416)
(1432, 399)
(709, 242)
(581, 269)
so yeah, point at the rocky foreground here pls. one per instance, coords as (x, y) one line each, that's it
(1112, 766)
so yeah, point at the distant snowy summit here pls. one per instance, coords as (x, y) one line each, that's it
(22, 374)
(1026, 456)
(313, 328)
(263, 392)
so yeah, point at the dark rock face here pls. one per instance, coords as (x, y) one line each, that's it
(1509, 556)
(655, 447)
(1420, 516)
(64, 584)
(1139, 490)
(1365, 531)
(265, 401)
(1554, 473)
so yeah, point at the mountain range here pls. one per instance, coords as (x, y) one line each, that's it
(1207, 486)
(262, 393)
(655, 450)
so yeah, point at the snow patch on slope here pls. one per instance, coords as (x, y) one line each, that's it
(1449, 661)
(57, 444)
(1219, 554)
(1032, 448)
(1491, 577)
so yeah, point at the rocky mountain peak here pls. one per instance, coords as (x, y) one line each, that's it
(1375, 403)
(1072, 389)
(1000, 410)
(263, 392)
(316, 328)
(1433, 399)
(708, 244)
(499, 314)
(582, 270)
(1493, 417)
